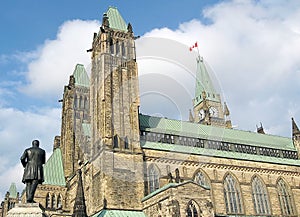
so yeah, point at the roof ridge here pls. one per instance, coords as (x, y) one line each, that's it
(217, 127)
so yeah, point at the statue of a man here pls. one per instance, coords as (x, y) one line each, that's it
(32, 160)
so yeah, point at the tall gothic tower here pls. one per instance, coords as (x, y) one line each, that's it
(208, 108)
(75, 113)
(116, 154)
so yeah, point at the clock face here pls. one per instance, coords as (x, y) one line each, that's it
(213, 112)
(201, 114)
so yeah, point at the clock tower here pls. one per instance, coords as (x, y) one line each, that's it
(208, 107)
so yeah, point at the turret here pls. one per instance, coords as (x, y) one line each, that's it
(296, 136)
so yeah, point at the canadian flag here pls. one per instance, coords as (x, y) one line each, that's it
(195, 45)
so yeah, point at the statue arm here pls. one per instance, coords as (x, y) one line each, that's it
(23, 159)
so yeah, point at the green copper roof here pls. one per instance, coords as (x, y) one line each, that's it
(204, 83)
(86, 129)
(165, 187)
(119, 213)
(13, 190)
(115, 19)
(53, 169)
(81, 77)
(188, 129)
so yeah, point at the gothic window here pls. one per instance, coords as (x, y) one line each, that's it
(260, 197)
(53, 201)
(285, 198)
(232, 195)
(153, 178)
(48, 201)
(86, 103)
(191, 210)
(123, 49)
(116, 141)
(201, 179)
(111, 46)
(81, 102)
(59, 202)
(126, 143)
(76, 103)
(117, 48)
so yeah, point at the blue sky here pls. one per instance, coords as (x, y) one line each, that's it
(253, 48)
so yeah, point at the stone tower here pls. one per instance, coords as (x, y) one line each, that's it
(116, 154)
(75, 112)
(208, 108)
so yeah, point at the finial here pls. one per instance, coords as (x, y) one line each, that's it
(129, 28)
(260, 129)
(226, 110)
(105, 21)
(295, 128)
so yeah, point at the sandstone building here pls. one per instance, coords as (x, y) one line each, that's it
(134, 164)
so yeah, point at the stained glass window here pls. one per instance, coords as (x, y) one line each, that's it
(260, 197)
(153, 180)
(232, 195)
(285, 198)
(191, 210)
(201, 179)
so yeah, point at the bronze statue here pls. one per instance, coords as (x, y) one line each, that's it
(32, 160)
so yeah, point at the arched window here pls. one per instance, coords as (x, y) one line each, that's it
(116, 141)
(59, 202)
(126, 143)
(123, 49)
(111, 46)
(232, 195)
(53, 201)
(81, 102)
(117, 48)
(285, 198)
(86, 103)
(201, 179)
(153, 178)
(191, 210)
(76, 101)
(260, 197)
(48, 201)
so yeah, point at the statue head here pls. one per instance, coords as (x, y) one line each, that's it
(35, 143)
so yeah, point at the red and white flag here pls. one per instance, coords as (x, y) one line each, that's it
(195, 45)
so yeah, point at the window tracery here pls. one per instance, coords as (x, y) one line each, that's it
(232, 195)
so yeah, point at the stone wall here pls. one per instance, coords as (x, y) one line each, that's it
(216, 170)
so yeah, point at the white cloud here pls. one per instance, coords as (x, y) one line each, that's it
(17, 130)
(254, 50)
(56, 59)
(11, 174)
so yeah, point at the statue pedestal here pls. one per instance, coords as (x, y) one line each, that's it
(26, 210)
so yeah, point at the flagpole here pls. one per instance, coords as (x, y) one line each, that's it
(196, 46)
(198, 52)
